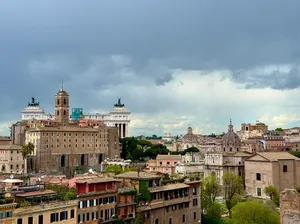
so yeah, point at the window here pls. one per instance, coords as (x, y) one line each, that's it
(81, 218)
(63, 215)
(156, 221)
(195, 202)
(160, 163)
(170, 220)
(54, 217)
(65, 101)
(259, 192)
(20, 221)
(194, 191)
(82, 160)
(41, 219)
(63, 161)
(284, 168)
(258, 176)
(72, 214)
(195, 215)
(87, 217)
(183, 218)
(30, 220)
(168, 163)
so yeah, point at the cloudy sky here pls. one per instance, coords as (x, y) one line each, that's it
(174, 63)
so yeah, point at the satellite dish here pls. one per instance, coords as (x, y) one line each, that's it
(11, 177)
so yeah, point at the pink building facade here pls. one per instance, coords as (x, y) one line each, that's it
(163, 164)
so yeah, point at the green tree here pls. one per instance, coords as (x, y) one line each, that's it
(252, 212)
(209, 189)
(233, 188)
(214, 211)
(294, 153)
(144, 143)
(192, 149)
(27, 150)
(278, 129)
(273, 194)
(114, 169)
(129, 145)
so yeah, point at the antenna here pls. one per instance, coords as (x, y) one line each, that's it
(62, 84)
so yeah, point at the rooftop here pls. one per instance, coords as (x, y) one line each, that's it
(135, 175)
(92, 180)
(36, 193)
(168, 157)
(168, 187)
(10, 147)
(275, 156)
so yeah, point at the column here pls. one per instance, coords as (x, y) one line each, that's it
(127, 130)
(121, 133)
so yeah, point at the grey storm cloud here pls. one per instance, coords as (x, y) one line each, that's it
(100, 46)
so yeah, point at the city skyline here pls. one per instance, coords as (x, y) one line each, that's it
(173, 68)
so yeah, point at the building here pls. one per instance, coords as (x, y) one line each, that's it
(6, 212)
(163, 164)
(252, 130)
(289, 206)
(61, 145)
(191, 163)
(118, 117)
(97, 197)
(11, 159)
(278, 169)
(172, 203)
(126, 204)
(54, 212)
(203, 143)
(116, 162)
(229, 158)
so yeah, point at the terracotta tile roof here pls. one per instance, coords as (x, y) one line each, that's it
(275, 156)
(36, 193)
(168, 157)
(246, 154)
(96, 180)
(168, 187)
(134, 175)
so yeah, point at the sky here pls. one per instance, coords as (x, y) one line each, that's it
(174, 63)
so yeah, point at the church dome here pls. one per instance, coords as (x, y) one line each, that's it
(231, 139)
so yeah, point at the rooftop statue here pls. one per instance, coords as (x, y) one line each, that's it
(33, 103)
(119, 104)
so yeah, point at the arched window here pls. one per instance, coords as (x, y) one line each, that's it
(156, 221)
(63, 161)
(65, 112)
(230, 149)
(170, 220)
(82, 160)
(65, 101)
(57, 112)
(57, 102)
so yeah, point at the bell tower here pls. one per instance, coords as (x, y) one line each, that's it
(62, 112)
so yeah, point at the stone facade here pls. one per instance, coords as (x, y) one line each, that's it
(252, 130)
(289, 207)
(278, 169)
(11, 159)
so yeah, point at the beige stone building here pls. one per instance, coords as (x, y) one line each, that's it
(61, 146)
(54, 212)
(252, 130)
(11, 160)
(289, 206)
(278, 169)
(230, 157)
